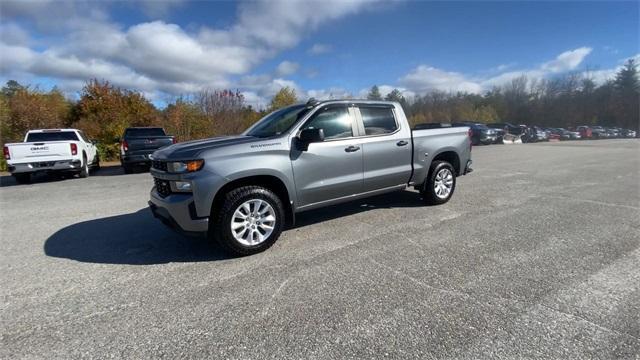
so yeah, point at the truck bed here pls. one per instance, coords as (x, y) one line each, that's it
(431, 142)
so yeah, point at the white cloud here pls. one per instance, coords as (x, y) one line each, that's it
(160, 56)
(426, 78)
(330, 93)
(318, 49)
(568, 60)
(286, 68)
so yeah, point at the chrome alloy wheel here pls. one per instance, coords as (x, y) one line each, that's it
(253, 222)
(443, 183)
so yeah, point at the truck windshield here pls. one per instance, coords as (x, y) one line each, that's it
(52, 136)
(277, 122)
(144, 132)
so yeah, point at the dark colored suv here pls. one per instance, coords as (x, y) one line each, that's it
(480, 133)
(138, 143)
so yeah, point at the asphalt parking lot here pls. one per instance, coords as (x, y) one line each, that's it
(537, 255)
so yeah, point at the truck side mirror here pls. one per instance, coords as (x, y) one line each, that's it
(311, 135)
(308, 136)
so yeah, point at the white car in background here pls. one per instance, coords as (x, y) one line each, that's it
(51, 150)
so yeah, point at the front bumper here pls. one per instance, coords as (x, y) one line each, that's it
(178, 212)
(60, 165)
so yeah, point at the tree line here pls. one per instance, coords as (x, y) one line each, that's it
(103, 110)
(565, 101)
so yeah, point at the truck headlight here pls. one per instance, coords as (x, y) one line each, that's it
(181, 186)
(179, 167)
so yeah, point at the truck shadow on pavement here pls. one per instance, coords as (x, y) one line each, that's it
(139, 239)
(135, 239)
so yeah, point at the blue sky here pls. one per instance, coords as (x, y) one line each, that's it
(322, 49)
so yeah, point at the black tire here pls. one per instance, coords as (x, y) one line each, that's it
(220, 226)
(96, 164)
(127, 169)
(84, 172)
(24, 178)
(429, 187)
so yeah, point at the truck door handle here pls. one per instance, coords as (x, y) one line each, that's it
(402, 143)
(352, 148)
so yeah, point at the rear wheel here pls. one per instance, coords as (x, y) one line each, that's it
(84, 172)
(440, 183)
(96, 164)
(23, 178)
(127, 169)
(249, 221)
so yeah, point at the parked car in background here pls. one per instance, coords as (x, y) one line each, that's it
(242, 190)
(52, 151)
(613, 132)
(598, 132)
(480, 133)
(507, 127)
(499, 132)
(540, 134)
(563, 134)
(627, 133)
(574, 135)
(585, 131)
(503, 129)
(138, 143)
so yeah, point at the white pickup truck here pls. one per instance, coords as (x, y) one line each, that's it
(51, 150)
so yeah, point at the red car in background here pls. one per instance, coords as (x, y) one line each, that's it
(585, 132)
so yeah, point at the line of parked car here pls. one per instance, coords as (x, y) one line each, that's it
(69, 152)
(498, 133)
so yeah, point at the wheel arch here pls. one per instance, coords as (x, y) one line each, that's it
(450, 156)
(271, 182)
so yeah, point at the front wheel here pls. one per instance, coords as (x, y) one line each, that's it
(249, 221)
(440, 183)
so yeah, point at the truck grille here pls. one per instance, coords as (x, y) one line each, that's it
(159, 165)
(162, 187)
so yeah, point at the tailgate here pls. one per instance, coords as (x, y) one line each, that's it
(148, 143)
(40, 151)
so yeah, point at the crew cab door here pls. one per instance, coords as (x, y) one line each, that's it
(386, 145)
(333, 168)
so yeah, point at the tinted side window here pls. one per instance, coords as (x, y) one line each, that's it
(334, 121)
(378, 120)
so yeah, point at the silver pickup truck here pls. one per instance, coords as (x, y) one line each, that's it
(243, 190)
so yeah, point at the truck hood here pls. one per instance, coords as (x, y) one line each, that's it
(193, 149)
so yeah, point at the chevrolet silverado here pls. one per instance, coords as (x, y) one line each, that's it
(243, 190)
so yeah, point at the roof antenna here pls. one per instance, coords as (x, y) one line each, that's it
(312, 102)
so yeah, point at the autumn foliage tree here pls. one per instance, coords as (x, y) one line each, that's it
(23, 108)
(284, 97)
(185, 120)
(104, 111)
